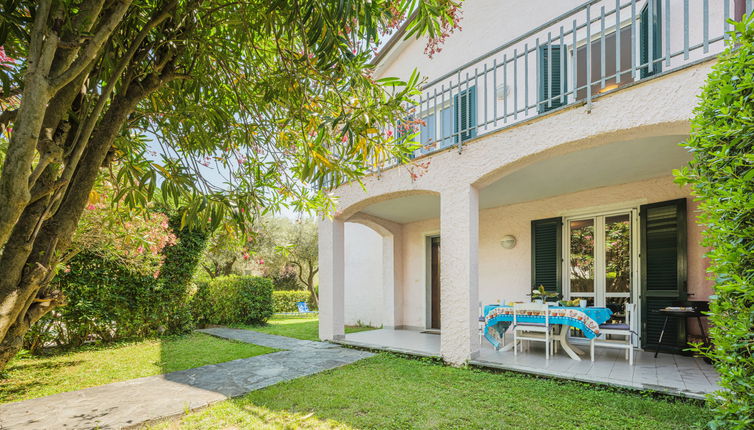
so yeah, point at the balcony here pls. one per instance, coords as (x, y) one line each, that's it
(592, 50)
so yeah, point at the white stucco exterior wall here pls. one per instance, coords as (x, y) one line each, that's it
(363, 276)
(657, 107)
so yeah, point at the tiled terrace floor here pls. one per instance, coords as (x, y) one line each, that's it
(672, 374)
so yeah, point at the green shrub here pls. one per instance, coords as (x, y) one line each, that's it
(285, 301)
(233, 299)
(106, 302)
(722, 176)
(181, 261)
(109, 301)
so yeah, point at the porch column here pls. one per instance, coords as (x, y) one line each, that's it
(331, 279)
(459, 276)
(392, 265)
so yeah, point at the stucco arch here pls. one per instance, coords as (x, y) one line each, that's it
(351, 201)
(675, 128)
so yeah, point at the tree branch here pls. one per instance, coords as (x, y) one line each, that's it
(7, 117)
(81, 140)
(92, 47)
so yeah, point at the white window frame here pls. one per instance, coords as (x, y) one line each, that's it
(599, 249)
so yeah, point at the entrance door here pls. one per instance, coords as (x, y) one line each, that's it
(435, 283)
(600, 263)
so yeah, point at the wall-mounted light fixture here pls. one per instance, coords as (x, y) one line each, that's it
(502, 91)
(508, 241)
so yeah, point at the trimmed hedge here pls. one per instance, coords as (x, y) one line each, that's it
(285, 301)
(233, 300)
(722, 177)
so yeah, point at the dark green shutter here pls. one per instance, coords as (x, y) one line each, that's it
(466, 105)
(645, 23)
(551, 88)
(546, 254)
(663, 271)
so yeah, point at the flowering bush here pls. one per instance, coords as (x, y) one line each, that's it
(130, 280)
(133, 239)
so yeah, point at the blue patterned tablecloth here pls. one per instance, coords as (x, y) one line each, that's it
(498, 318)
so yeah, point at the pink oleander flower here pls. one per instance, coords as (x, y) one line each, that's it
(5, 60)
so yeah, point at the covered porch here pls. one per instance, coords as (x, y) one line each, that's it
(421, 261)
(668, 373)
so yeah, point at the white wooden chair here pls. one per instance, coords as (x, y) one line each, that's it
(528, 331)
(620, 329)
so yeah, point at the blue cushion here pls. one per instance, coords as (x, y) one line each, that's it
(615, 326)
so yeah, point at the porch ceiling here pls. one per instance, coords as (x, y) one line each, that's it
(407, 209)
(606, 165)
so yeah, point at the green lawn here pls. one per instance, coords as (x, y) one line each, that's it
(306, 328)
(387, 391)
(28, 377)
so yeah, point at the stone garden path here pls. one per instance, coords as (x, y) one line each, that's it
(133, 402)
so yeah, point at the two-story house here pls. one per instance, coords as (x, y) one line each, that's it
(549, 134)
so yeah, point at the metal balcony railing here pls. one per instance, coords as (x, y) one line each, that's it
(592, 49)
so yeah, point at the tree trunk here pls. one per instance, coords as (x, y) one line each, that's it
(228, 267)
(310, 285)
(27, 299)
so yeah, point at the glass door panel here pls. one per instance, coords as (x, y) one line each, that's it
(618, 266)
(618, 254)
(581, 258)
(600, 261)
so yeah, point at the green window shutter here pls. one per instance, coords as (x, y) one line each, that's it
(546, 254)
(663, 271)
(466, 105)
(551, 88)
(645, 24)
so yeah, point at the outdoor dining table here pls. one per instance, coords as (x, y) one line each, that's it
(497, 319)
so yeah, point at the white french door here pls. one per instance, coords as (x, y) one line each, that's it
(600, 264)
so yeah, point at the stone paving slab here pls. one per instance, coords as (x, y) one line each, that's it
(133, 402)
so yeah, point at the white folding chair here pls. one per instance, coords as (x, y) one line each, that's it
(530, 331)
(618, 329)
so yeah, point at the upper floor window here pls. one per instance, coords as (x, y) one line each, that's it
(601, 74)
(449, 122)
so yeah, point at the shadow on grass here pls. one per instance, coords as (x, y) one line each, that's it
(45, 365)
